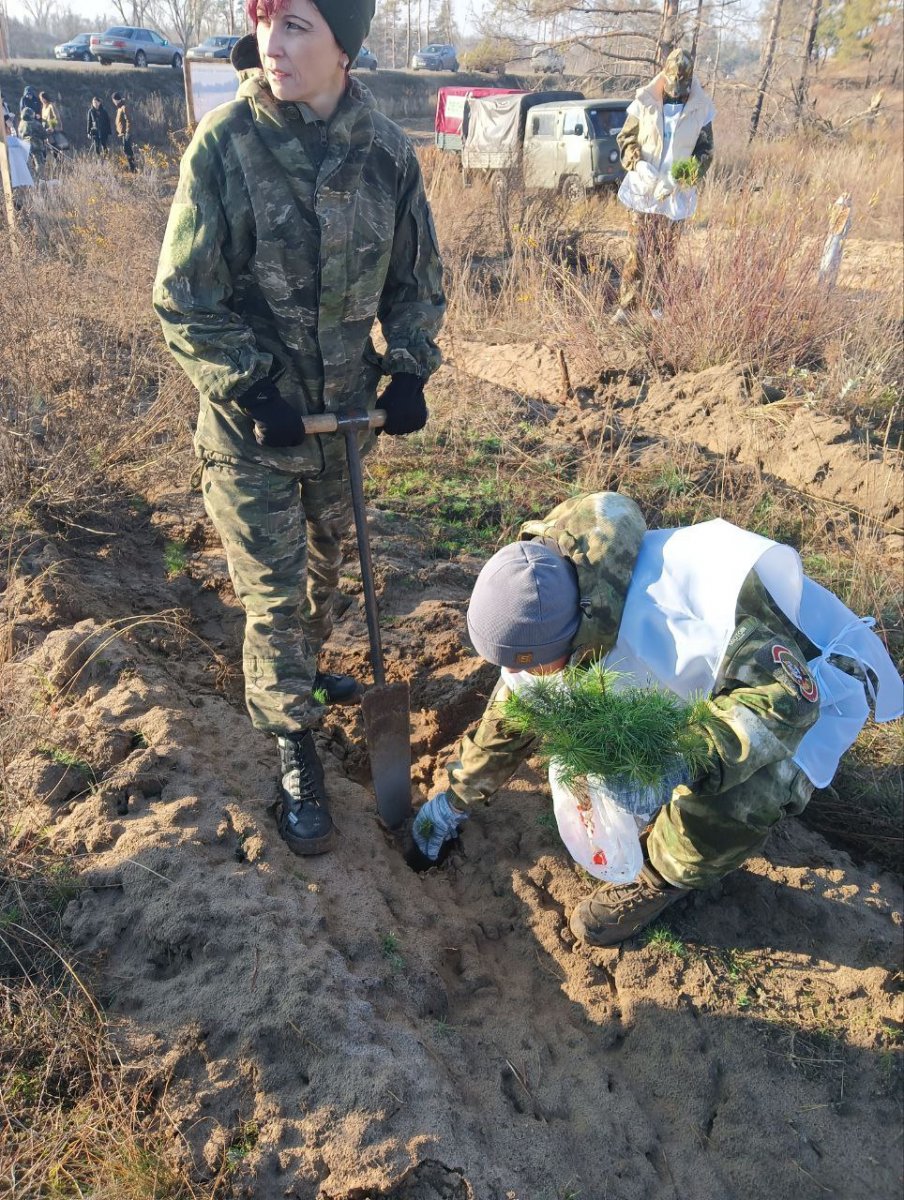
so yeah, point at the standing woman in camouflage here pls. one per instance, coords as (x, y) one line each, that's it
(299, 218)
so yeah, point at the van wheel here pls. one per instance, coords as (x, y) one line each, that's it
(177, 62)
(105, 62)
(573, 190)
(141, 59)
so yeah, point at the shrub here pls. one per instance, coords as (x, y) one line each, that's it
(490, 54)
(747, 291)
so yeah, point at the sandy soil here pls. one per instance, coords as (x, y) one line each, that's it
(723, 410)
(348, 1030)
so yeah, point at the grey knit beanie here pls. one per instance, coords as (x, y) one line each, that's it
(524, 609)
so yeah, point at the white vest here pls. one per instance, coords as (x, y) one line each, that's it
(664, 138)
(680, 614)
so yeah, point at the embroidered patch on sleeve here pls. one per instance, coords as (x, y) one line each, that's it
(796, 672)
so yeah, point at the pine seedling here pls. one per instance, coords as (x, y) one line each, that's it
(686, 171)
(637, 735)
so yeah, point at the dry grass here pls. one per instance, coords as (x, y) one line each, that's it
(745, 290)
(74, 1121)
(87, 400)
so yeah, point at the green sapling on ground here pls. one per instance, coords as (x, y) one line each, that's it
(638, 735)
(686, 171)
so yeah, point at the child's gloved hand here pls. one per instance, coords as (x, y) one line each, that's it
(436, 822)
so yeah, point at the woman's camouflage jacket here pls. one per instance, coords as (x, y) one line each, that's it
(287, 237)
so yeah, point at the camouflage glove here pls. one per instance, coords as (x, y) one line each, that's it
(276, 422)
(436, 822)
(631, 157)
(406, 408)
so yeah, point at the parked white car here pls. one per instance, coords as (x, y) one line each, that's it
(547, 59)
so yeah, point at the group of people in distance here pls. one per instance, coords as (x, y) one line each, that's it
(99, 128)
(38, 131)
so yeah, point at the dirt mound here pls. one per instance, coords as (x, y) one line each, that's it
(723, 410)
(344, 1029)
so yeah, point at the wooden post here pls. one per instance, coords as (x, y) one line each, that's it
(839, 227)
(189, 97)
(7, 185)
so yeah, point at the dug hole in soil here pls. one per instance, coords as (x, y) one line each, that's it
(363, 1032)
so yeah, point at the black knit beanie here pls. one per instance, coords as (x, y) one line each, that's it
(349, 21)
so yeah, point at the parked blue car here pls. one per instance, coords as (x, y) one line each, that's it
(76, 50)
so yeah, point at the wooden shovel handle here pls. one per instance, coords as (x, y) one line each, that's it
(327, 423)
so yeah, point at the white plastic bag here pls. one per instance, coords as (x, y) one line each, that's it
(598, 834)
(600, 826)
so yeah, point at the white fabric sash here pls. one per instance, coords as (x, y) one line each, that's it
(649, 189)
(680, 614)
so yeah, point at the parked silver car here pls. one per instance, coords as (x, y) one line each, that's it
(438, 56)
(217, 47)
(130, 44)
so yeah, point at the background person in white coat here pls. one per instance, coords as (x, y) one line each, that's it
(668, 121)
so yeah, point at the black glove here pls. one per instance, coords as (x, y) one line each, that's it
(403, 400)
(276, 422)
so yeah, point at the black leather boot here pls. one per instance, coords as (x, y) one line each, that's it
(305, 823)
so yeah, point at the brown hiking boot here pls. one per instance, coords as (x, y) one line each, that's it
(616, 911)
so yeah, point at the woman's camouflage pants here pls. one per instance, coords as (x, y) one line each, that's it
(282, 534)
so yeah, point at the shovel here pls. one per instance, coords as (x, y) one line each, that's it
(387, 722)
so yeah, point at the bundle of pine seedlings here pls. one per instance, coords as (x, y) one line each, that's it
(635, 735)
(686, 171)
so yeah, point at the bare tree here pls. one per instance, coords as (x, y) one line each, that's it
(768, 59)
(698, 21)
(42, 12)
(446, 21)
(132, 12)
(621, 33)
(4, 32)
(800, 88)
(668, 31)
(182, 19)
(226, 16)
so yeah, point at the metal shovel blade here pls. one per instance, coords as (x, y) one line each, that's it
(387, 729)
